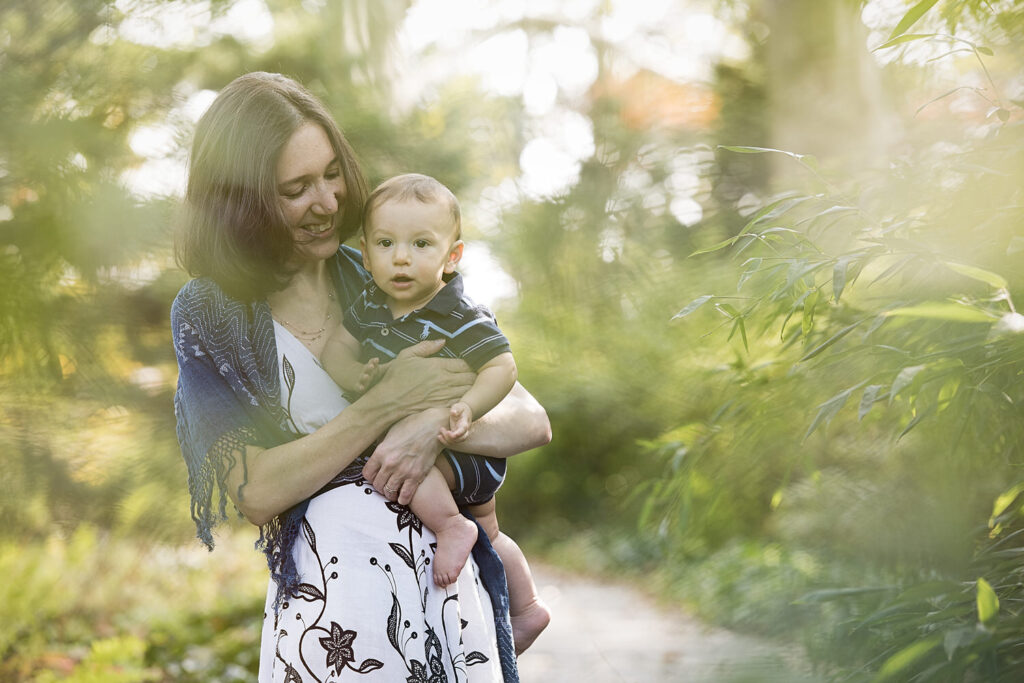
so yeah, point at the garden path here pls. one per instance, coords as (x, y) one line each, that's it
(605, 632)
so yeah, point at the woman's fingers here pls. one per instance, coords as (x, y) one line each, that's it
(422, 349)
(408, 491)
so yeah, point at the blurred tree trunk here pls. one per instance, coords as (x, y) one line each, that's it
(824, 90)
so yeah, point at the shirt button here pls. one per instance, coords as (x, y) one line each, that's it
(385, 332)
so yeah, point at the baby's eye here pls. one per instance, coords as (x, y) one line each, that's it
(421, 244)
(384, 243)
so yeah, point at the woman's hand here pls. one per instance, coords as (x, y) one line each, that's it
(412, 382)
(408, 451)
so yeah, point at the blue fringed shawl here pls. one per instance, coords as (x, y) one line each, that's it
(228, 396)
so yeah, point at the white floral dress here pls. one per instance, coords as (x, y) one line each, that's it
(367, 608)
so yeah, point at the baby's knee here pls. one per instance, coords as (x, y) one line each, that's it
(487, 518)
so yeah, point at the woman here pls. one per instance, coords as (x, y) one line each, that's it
(273, 190)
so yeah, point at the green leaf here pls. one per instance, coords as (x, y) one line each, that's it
(988, 603)
(752, 266)
(931, 589)
(904, 39)
(957, 638)
(868, 399)
(830, 594)
(830, 341)
(914, 422)
(907, 656)
(728, 310)
(911, 17)
(988, 277)
(1004, 501)
(839, 276)
(986, 50)
(828, 409)
(716, 247)
(903, 380)
(693, 306)
(942, 310)
(808, 318)
(806, 159)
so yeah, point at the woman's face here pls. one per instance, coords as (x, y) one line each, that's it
(311, 193)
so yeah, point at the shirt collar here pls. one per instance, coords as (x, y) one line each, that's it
(443, 303)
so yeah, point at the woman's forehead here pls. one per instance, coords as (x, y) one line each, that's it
(307, 152)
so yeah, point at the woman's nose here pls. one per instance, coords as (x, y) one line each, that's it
(326, 202)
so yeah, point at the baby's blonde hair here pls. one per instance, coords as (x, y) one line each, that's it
(416, 186)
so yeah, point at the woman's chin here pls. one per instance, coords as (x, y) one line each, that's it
(318, 248)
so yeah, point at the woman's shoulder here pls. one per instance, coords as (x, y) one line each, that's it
(351, 260)
(202, 294)
(351, 275)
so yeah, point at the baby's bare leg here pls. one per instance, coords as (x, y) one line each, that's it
(528, 614)
(456, 535)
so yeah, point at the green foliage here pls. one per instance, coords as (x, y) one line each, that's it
(94, 607)
(895, 286)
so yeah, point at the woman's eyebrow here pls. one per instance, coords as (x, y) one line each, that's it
(306, 176)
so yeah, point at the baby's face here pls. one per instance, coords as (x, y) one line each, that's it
(407, 247)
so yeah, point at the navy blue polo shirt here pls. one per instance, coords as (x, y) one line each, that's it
(469, 330)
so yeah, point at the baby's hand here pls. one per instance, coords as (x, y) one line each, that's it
(372, 372)
(460, 417)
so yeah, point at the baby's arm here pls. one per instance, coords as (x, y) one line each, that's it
(493, 381)
(340, 360)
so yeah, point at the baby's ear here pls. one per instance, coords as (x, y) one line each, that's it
(362, 250)
(454, 256)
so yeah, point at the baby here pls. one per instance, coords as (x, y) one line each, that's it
(411, 245)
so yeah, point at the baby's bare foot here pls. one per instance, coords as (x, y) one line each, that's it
(528, 623)
(454, 543)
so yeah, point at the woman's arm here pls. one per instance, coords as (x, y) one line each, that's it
(405, 455)
(265, 482)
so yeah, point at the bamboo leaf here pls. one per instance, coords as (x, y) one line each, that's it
(752, 266)
(868, 399)
(911, 17)
(693, 306)
(828, 409)
(839, 276)
(986, 276)
(914, 422)
(830, 594)
(957, 638)
(988, 603)
(907, 656)
(716, 247)
(1004, 501)
(903, 380)
(942, 310)
(808, 315)
(942, 96)
(986, 51)
(830, 341)
(728, 310)
(904, 39)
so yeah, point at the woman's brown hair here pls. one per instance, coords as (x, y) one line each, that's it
(233, 230)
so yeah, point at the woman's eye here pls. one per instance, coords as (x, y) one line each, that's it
(332, 173)
(295, 194)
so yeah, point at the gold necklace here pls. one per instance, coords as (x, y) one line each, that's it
(303, 335)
